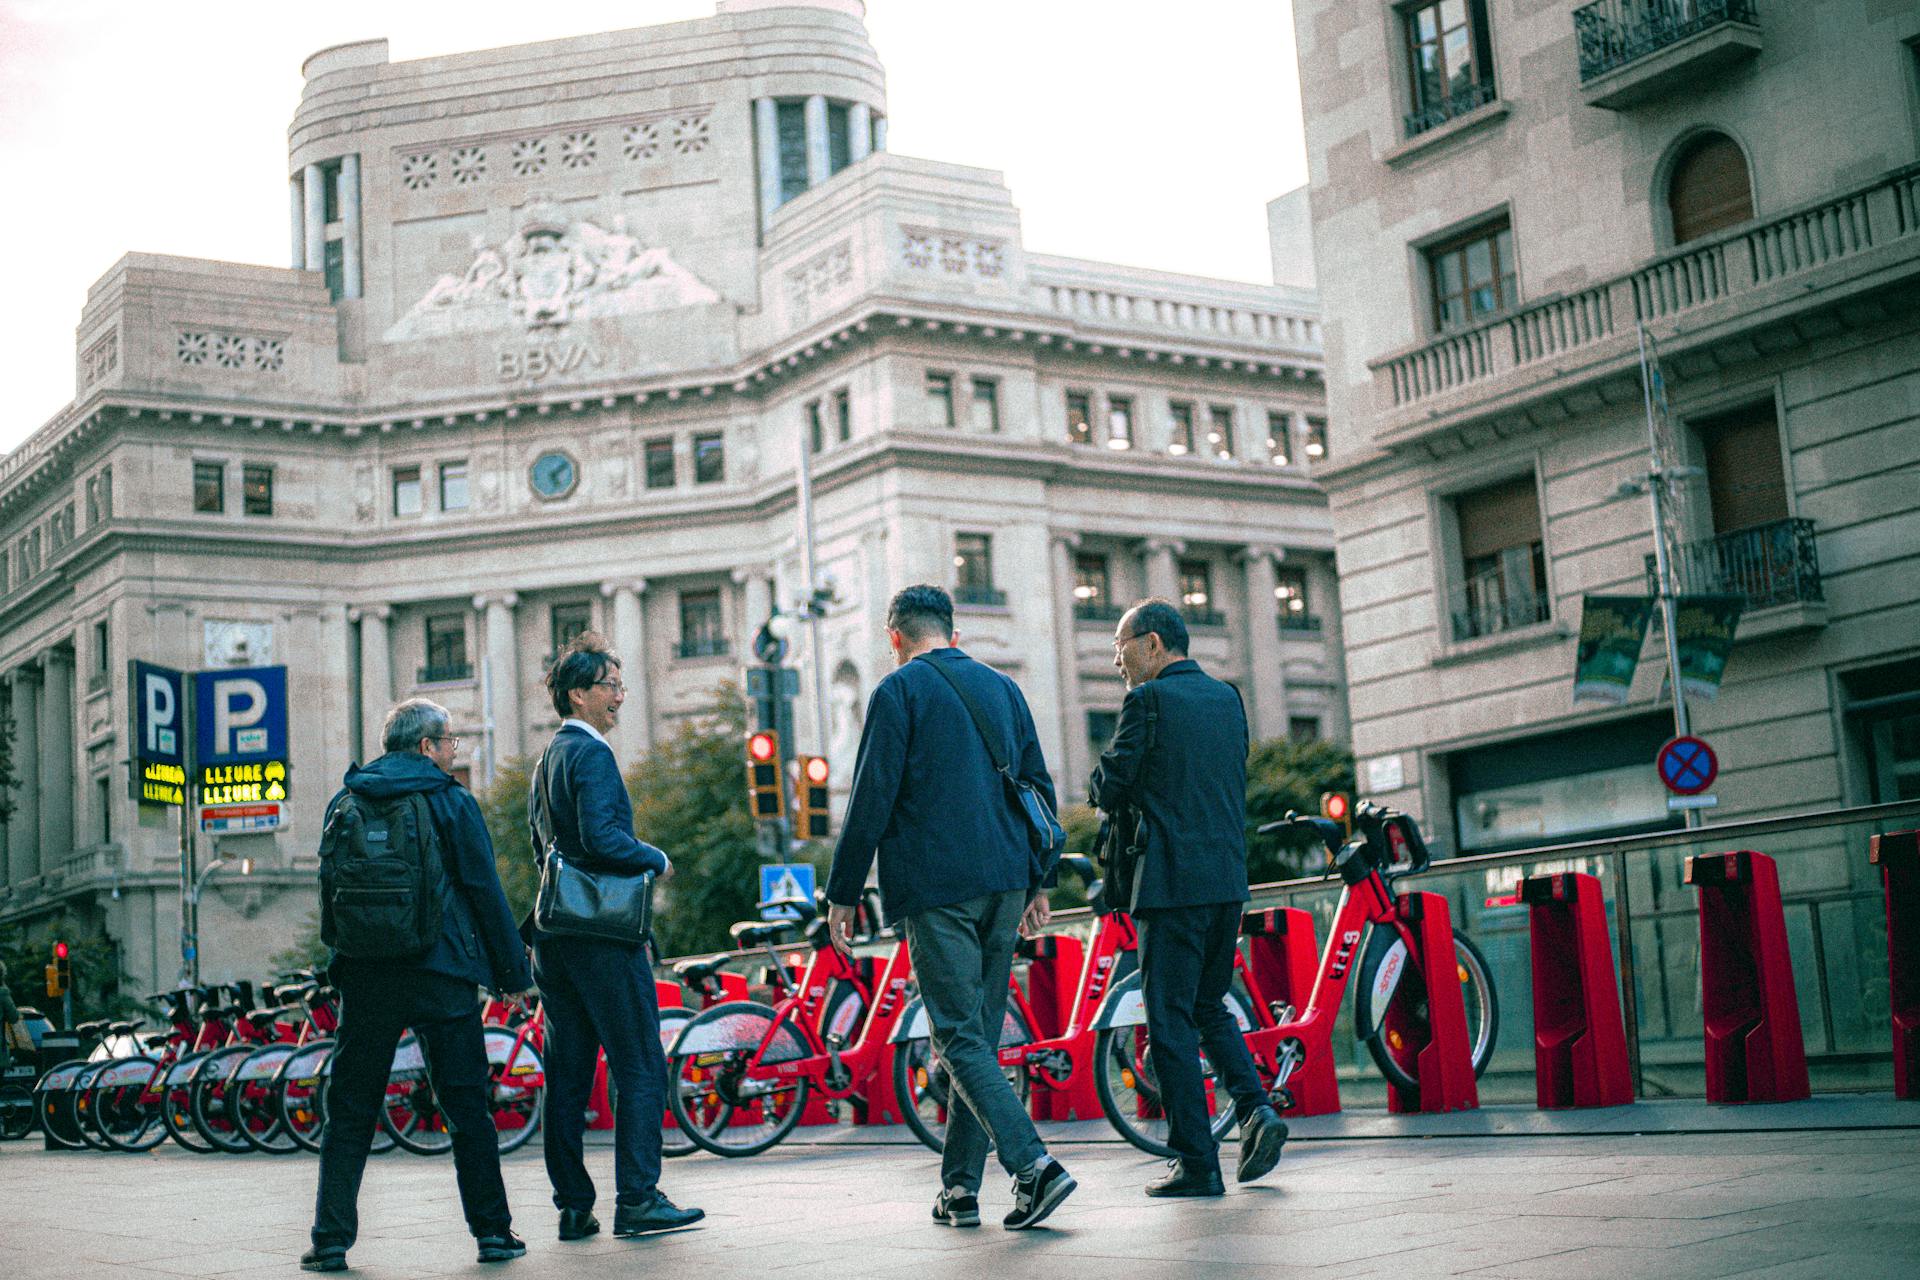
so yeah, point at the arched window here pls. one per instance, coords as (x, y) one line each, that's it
(1708, 190)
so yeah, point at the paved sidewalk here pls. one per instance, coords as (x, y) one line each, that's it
(1658, 1190)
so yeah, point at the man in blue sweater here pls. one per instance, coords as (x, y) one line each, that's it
(957, 867)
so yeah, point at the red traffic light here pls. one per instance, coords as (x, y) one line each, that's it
(59, 951)
(1334, 805)
(816, 770)
(762, 747)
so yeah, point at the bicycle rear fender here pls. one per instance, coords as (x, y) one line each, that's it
(1123, 1006)
(712, 1031)
(915, 1025)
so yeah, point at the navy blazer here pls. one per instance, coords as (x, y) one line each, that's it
(926, 798)
(1189, 787)
(592, 817)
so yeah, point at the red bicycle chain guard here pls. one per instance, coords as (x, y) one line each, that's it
(1443, 1060)
(1754, 1050)
(1284, 960)
(1579, 1035)
(1897, 854)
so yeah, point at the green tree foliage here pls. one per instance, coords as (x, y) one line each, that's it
(97, 976)
(1283, 775)
(306, 951)
(504, 806)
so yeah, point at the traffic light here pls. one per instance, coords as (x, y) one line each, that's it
(60, 972)
(1335, 806)
(811, 820)
(766, 793)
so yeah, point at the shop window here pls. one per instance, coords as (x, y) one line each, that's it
(209, 488)
(1708, 190)
(1503, 576)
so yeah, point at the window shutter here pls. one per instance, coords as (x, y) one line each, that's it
(1746, 482)
(1498, 518)
(1709, 190)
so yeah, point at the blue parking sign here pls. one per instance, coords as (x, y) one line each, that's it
(240, 715)
(784, 882)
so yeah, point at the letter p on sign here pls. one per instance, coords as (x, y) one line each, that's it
(237, 704)
(162, 718)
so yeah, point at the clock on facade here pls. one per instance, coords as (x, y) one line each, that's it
(553, 475)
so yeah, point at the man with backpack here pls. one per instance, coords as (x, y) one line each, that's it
(411, 904)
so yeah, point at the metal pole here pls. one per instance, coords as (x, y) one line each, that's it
(186, 898)
(1629, 992)
(807, 567)
(1662, 564)
(193, 896)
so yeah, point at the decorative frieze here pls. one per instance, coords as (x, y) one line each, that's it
(641, 141)
(818, 278)
(953, 254)
(200, 348)
(101, 358)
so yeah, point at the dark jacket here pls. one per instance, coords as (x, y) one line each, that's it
(926, 798)
(478, 942)
(1189, 787)
(592, 817)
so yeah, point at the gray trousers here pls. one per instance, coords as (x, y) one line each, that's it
(962, 955)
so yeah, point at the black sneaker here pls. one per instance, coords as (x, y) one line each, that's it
(324, 1257)
(578, 1224)
(1260, 1144)
(957, 1208)
(501, 1246)
(657, 1214)
(1036, 1197)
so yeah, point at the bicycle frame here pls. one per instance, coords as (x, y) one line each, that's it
(862, 1062)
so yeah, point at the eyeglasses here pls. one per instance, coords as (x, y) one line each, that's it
(454, 738)
(618, 686)
(1121, 642)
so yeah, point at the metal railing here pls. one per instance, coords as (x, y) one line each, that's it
(1098, 612)
(445, 672)
(1299, 623)
(1769, 564)
(1204, 617)
(1457, 103)
(703, 647)
(1613, 33)
(979, 595)
(1496, 601)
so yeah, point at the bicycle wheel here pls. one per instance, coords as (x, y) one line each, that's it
(673, 1139)
(411, 1113)
(297, 1088)
(1128, 1087)
(721, 1096)
(1387, 982)
(17, 1113)
(176, 1105)
(923, 1090)
(80, 1103)
(53, 1104)
(123, 1112)
(517, 1084)
(211, 1084)
(381, 1142)
(253, 1104)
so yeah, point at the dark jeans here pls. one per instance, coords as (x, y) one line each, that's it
(377, 1005)
(1186, 966)
(600, 994)
(961, 955)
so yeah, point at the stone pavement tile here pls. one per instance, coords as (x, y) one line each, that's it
(213, 1262)
(1726, 1256)
(1596, 1204)
(1446, 1258)
(1574, 1232)
(1840, 1266)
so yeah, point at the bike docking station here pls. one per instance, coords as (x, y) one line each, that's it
(1442, 1056)
(1897, 854)
(1055, 966)
(1285, 962)
(1579, 1035)
(1754, 1051)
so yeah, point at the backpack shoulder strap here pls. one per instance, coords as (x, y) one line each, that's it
(980, 722)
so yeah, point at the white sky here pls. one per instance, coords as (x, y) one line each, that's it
(1132, 131)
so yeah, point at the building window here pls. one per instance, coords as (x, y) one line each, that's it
(1290, 600)
(1746, 480)
(333, 267)
(256, 489)
(1472, 276)
(790, 131)
(1179, 429)
(453, 486)
(973, 570)
(1709, 190)
(1450, 62)
(1316, 446)
(1503, 565)
(1079, 418)
(406, 491)
(446, 649)
(940, 399)
(701, 632)
(709, 459)
(1220, 431)
(210, 487)
(1196, 594)
(569, 620)
(102, 656)
(1092, 589)
(1279, 453)
(839, 152)
(659, 460)
(1119, 422)
(1303, 729)
(986, 404)
(330, 190)
(843, 415)
(103, 805)
(816, 428)
(1883, 724)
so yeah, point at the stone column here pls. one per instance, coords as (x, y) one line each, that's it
(350, 216)
(503, 673)
(23, 840)
(1163, 577)
(56, 758)
(1266, 673)
(880, 134)
(297, 218)
(1323, 600)
(819, 154)
(1075, 767)
(630, 642)
(376, 675)
(859, 132)
(316, 224)
(766, 141)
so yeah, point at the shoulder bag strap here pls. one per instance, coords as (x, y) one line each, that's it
(546, 805)
(980, 721)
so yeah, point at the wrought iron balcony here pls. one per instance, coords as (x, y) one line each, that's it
(1455, 104)
(1615, 33)
(445, 672)
(976, 594)
(1768, 565)
(703, 647)
(1295, 624)
(1497, 601)
(1086, 612)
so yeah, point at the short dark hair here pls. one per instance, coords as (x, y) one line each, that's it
(921, 611)
(412, 720)
(579, 666)
(1158, 617)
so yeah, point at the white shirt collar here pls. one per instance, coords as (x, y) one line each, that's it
(582, 724)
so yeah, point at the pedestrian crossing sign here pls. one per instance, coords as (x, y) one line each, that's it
(783, 883)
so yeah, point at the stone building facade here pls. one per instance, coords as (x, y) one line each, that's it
(1503, 193)
(560, 324)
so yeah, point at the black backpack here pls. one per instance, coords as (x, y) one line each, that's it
(382, 882)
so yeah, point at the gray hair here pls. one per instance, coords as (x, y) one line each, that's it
(412, 720)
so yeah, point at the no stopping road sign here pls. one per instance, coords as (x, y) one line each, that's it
(1687, 766)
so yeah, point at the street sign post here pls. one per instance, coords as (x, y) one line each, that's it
(1687, 765)
(159, 758)
(790, 881)
(240, 819)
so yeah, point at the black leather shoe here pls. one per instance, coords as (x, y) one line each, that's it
(501, 1246)
(1183, 1181)
(578, 1224)
(1260, 1144)
(657, 1214)
(330, 1257)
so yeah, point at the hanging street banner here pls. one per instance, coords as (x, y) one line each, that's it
(159, 704)
(240, 731)
(1704, 632)
(1613, 630)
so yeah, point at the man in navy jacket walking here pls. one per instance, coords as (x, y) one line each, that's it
(957, 867)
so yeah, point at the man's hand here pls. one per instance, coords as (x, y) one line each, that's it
(840, 929)
(1034, 920)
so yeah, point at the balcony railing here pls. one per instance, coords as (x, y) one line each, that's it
(1204, 617)
(446, 672)
(1495, 602)
(1295, 624)
(1768, 565)
(1613, 33)
(1457, 103)
(978, 595)
(1085, 612)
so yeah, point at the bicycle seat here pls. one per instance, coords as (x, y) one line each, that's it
(93, 1028)
(261, 1019)
(122, 1028)
(753, 933)
(154, 1039)
(699, 972)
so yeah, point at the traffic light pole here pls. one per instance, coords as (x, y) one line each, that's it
(189, 911)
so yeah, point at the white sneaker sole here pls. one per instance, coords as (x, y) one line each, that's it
(1060, 1190)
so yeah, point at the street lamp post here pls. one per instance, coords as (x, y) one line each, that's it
(192, 939)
